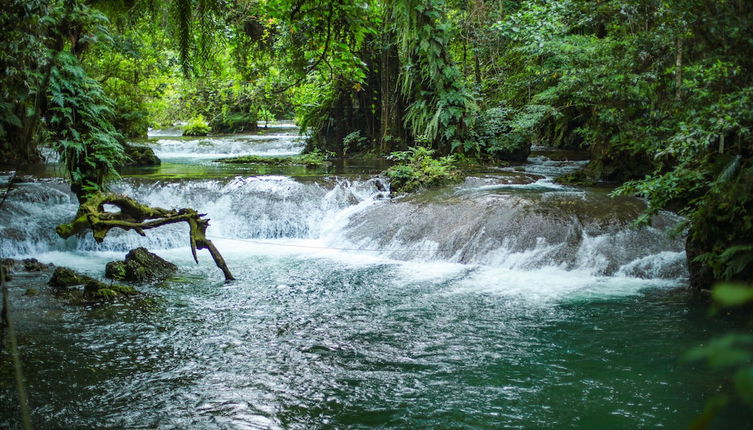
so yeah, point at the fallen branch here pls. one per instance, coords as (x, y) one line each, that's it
(135, 216)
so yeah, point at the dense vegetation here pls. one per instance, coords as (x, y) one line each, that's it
(659, 92)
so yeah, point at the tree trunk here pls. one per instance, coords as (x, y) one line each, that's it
(678, 68)
(392, 130)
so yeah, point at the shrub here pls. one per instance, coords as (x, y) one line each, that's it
(417, 168)
(355, 142)
(266, 115)
(506, 134)
(197, 126)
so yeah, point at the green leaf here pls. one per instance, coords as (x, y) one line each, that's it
(726, 351)
(744, 384)
(732, 294)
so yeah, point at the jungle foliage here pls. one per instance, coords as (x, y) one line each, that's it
(417, 168)
(659, 92)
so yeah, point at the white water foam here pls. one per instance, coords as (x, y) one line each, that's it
(481, 245)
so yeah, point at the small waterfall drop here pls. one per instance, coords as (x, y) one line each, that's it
(527, 230)
(280, 140)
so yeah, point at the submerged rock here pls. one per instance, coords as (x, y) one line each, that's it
(140, 265)
(63, 278)
(26, 265)
(100, 290)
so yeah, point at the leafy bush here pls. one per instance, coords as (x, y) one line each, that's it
(234, 122)
(79, 126)
(197, 126)
(417, 168)
(506, 134)
(355, 142)
(441, 107)
(266, 115)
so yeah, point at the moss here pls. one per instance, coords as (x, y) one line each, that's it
(64, 277)
(140, 265)
(31, 292)
(116, 270)
(100, 290)
(105, 293)
(312, 160)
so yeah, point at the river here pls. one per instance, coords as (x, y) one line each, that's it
(506, 301)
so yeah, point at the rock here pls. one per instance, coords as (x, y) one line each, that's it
(100, 290)
(94, 289)
(140, 265)
(612, 165)
(64, 277)
(33, 265)
(379, 184)
(140, 156)
(26, 265)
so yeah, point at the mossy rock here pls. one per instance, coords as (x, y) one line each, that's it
(101, 291)
(64, 277)
(140, 266)
(140, 156)
(515, 153)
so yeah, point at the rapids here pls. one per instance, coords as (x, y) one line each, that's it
(506, 301)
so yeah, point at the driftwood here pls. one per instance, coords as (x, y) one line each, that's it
(135, 216)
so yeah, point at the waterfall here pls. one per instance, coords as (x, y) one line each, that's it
(526, 227)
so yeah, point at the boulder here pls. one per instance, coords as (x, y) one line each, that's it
(140, 156)
(102, 291)
(140, 265)
(64, 277)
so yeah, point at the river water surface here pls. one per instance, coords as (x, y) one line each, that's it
(506, 301)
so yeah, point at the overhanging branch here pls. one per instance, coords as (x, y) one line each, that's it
(138, 217)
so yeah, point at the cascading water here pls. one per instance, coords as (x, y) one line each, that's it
(515, 229)
(280, 140)
(505, 302)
